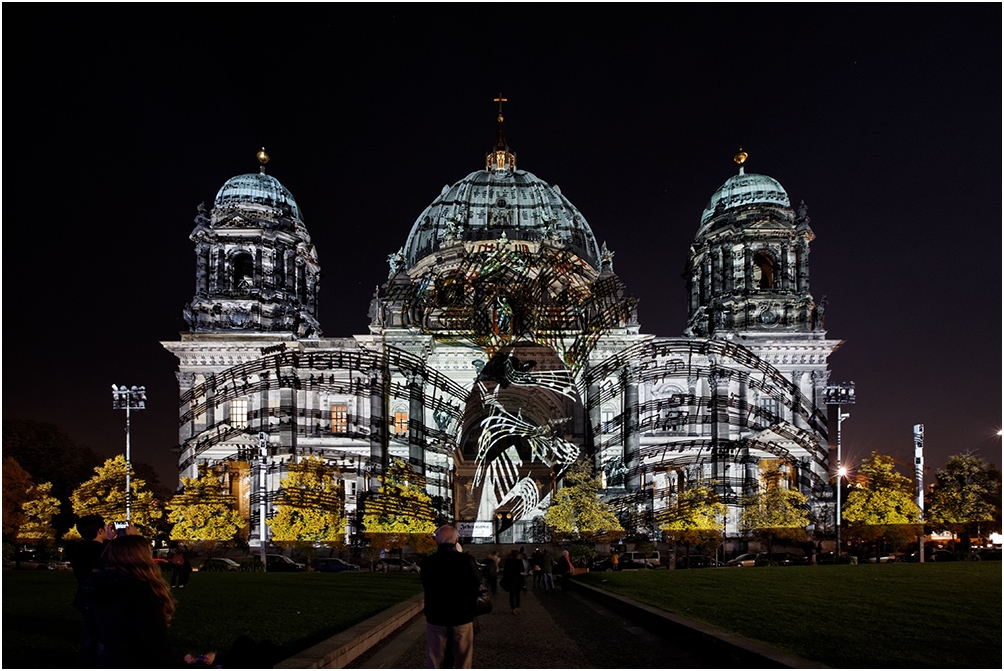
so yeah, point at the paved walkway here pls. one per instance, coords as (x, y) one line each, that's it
(559, 630)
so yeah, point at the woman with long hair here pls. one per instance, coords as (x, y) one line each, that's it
(131, 606)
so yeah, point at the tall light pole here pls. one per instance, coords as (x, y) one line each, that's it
(128, 399)
(839, 395)
(262, 494)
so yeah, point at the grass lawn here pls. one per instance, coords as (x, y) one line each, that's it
(282, 613)
(945, 615)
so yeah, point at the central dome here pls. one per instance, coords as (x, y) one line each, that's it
(746, 189)
(257, 188)
(488, 203)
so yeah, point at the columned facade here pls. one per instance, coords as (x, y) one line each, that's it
(502, 348)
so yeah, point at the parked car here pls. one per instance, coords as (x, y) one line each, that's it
(333, 565)
(602, 565)
(642, 559)
(282, 563)
(388, 564)
(784, 559)
(53, 565)
(219, 564)
(746, 560)
(696, 561)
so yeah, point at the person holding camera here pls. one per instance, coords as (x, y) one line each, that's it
(181, 565)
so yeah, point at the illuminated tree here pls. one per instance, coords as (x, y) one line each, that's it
(204, 511)
(694, 518)
(104, 494)
(310, 507)
(966, 497)
(880, 505)
(400, 513)
(38, 512)
(16, 483)
(775, 512)
(576, 511)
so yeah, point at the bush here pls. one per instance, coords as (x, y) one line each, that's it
(251, 565)
(580, 553)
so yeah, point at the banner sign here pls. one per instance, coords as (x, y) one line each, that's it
(475, 529)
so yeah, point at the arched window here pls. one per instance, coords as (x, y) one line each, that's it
(243, 269)
(763, 271)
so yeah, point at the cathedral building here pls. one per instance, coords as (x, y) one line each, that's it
(503, 347)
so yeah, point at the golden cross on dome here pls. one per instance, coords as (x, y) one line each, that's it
(500, 100)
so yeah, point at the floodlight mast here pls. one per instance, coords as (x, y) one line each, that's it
(128, 399)
(839, 395)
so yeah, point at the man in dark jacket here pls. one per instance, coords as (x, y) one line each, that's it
(85, 559)
(451, 585)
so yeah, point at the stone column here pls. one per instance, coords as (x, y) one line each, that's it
(632, 441)
(592, 405)
(378, 422)
(743, 402)
(416, 422)
(719, 381)
(803, 266)
(693, 407)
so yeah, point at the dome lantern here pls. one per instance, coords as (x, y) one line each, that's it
(500, 158)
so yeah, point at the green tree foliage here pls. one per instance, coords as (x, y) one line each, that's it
(966, 497)
(43, 448)
(880, 504)
(694, 518)
(400, 513)
(204, 511)
(39, 510)
(775, 512)
(310, 507)
(576, 512)
(16, 483)
(104, 494)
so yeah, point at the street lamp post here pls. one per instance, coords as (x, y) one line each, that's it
(128, 399)
(839, 395)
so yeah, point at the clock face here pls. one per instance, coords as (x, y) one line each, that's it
(768, 317)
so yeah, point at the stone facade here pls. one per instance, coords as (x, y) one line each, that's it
(503, 347)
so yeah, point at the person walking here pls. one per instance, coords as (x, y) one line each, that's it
(535, 562)
(451, 584)
(130, 605)
(565, 570)
(491, 572)
(615, 561)
(177, 558)
(512, 580)
(546, 570)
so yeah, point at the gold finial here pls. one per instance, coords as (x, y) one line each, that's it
(262, 156)
(500, 100)
(741, 157)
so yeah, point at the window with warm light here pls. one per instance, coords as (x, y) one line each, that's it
(239, 413)
(400, 423)
(339, 418)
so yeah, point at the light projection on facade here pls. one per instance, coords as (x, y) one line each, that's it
(501, 348)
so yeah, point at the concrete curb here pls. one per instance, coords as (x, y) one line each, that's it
(742, 651)
(339, 650)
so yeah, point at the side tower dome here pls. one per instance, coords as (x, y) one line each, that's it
(748, 271)
(256, 269)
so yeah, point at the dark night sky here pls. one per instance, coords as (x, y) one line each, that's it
(886, 119)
